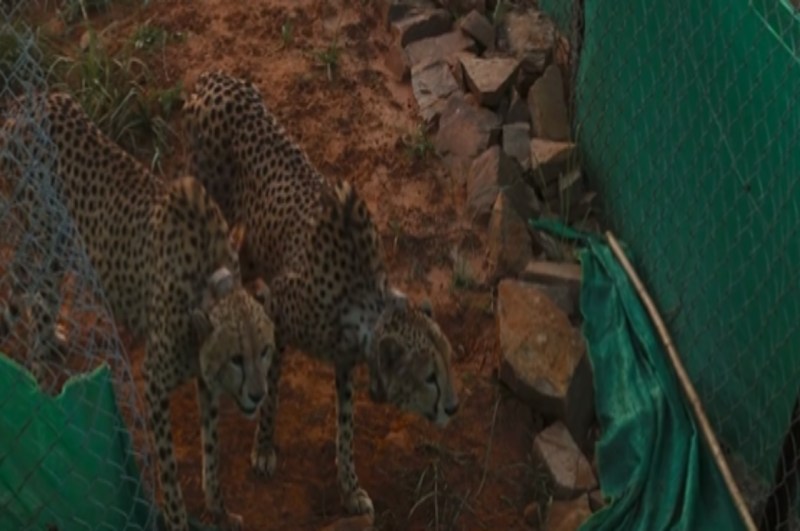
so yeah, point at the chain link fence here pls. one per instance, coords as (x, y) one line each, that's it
(687, 122)
(73, 452)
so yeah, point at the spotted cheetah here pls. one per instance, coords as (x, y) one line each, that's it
(168, 265)
(316, 245)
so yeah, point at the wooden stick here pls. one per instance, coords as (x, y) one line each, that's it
(686, 383)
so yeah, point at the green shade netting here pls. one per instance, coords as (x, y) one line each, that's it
(687, 123)
(66, 461)
(653, 462)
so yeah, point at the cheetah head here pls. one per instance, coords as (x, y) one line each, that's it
(237, 341)
(410, 362)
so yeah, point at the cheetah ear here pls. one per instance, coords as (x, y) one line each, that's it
(201, 324)
(390, 353)
(397, 300)
(386, 360)
(263, 295)
(427, 308)
(221, 282)
(236, 236)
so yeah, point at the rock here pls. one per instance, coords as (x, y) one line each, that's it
(589, 224)
(546, 153)
(457, 166)
(565, 297)
(488, 79)
(492, 171)
(571, 184)
(567, 467)
(564, 194)
(533, 515)
(543, 357)
(483, 183)
(502, 108)
(517, 111)
(571, 189)
(531, 39)
(432, 84)
(567, 515)
(517, 143)
(444, 47)
(459, 7)
(522, 196)
(596, 500)
(351, 523)
(458, 72)
(547, 106)
(392, 11)
(509, 240)
(582, 209)
(549, 248)
(465, 130)
(479, 28)
(549, 161)
(397, 63)
(418, 24)
(566, 274)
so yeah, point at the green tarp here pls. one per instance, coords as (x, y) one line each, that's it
(66, 461)
(653, 462)
(688, 127)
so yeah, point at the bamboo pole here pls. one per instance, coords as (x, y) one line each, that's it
(686, 383)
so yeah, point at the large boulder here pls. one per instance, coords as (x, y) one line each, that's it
(544, 357)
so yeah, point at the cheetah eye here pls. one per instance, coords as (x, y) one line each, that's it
(431, 379)
(238, 360)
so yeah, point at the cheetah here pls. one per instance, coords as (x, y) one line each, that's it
(316, 245)
(169, 266)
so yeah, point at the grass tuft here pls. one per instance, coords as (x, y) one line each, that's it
(329, 59)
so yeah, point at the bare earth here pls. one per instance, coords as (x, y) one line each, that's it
(475, 474)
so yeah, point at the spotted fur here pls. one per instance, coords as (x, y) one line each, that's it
(167, 263)
(317, 246)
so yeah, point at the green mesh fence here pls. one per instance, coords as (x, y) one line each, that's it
(687, 124)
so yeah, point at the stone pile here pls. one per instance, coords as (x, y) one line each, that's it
(494, 94)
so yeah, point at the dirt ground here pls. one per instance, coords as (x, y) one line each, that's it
(475, 474)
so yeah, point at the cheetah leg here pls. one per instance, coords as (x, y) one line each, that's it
(263, 456)
(209, 415)
(356, 500)
(47, 342)
(10, 312)
(35, 273)
(157, 398)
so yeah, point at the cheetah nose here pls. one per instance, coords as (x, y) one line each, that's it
(452, 409)
(255, 397)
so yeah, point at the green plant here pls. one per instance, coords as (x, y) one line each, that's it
(116, 91)
(74, 10)
(25, 53)
(287, 33)
(148, 36)
(463, 277)
(499, 12)
(419, 144)
(437, 495)
(329, 58)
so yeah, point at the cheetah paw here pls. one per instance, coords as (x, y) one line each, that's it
(264, 461)
(358, 502)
